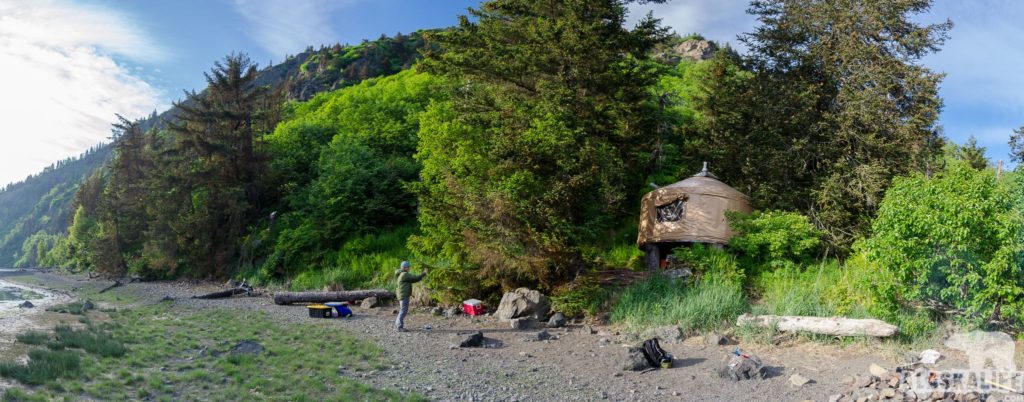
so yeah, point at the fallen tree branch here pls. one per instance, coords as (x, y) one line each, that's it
(221, 294)
(324, 297)
(241, 288)
(836, 326)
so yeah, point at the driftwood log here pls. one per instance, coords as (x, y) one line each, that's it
(836, 326)
(325, 297)
(240, 287)
(222, 294)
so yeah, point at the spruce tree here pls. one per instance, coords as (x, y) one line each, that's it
(837, 106)
(545, 142)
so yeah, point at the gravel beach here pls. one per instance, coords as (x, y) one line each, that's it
(574, 365)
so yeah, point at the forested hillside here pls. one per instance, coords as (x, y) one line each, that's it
(34, 212)
(515, 154)
(42, 203)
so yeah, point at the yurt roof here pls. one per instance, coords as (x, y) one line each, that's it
(704, 183)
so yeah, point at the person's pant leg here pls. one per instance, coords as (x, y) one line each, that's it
(403, 309)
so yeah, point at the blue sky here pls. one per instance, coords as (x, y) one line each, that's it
(66, 66)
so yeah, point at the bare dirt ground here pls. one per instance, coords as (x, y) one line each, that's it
(576, 366)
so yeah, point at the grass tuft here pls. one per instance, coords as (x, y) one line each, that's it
(43, 366)
(658, 301)
(90, 340)
(33, 337)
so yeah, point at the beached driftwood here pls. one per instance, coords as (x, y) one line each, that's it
(222, 294)
(324, 297)
(240, 287)
(836, 326)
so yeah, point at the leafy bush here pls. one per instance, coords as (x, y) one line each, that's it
(583, 297)
(658, 301)
(772, 239)
(956, 238)
(710, 264)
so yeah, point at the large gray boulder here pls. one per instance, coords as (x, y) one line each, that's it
(523, 303)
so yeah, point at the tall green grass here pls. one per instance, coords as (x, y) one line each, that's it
(90, 339)
(854, 289)
(658, 301)
(44, 365)
(367, 261)
(33, 337)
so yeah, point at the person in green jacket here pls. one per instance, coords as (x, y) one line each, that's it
(403, 289)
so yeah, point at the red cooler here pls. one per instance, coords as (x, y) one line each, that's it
(473, 307)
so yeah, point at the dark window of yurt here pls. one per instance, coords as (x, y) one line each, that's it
(672, 212)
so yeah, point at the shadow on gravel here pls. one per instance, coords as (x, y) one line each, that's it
(470, 331)
(773, 371)
(680, 363)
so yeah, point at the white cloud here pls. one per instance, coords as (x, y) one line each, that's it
(60, 86)
(718, 20)
(287, 27)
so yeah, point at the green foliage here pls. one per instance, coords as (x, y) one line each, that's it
(768, 240)
(971, 154)
(343, 161)
(44, 202)
(535, 154)
(658, 301)
(837, 105)
(366, 261)
(956, 238)
(710, 264)
(580, 297)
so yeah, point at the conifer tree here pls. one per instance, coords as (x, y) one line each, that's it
(546, 139)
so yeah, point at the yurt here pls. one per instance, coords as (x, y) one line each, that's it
(687, 212)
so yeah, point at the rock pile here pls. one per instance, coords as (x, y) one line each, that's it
(910, 384)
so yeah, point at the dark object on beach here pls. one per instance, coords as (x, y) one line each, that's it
(319, 311)
(241, 288)
(473, 341)
(324, 297)
(116, 284)
(742, 366)
(26, 304)
(557, 321)
(247, 347)
(655, 355)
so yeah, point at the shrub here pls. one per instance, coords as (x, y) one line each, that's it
(956, 238)
(659, 301)
(710, 264)
(581, 297)
(773, 239)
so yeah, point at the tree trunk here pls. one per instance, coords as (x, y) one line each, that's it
(836, 326)
(653, 256)
(324, 297)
